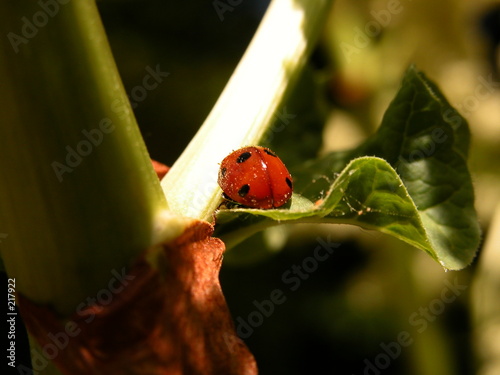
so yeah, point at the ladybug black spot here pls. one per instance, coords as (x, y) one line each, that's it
(269, 152)
(243, 157)
(288, 182)
(223, 172)
(244, 190)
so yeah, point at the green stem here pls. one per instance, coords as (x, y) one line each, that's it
(259, 85)
(78, 197)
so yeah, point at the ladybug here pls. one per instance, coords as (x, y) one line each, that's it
(255, 177)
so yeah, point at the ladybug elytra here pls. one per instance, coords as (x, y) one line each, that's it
(255, 177)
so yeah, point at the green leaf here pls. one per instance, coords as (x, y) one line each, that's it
(367, 193)
(417, 188)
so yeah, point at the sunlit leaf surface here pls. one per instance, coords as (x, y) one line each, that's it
(409, 180)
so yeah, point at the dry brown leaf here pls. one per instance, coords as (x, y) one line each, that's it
(160, 168)
(170, 318)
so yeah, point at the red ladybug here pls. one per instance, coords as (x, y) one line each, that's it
(255, 177)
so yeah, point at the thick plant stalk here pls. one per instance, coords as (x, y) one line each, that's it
(245, 109)
(78, 198)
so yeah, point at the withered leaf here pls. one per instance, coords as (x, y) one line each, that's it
(170, 318)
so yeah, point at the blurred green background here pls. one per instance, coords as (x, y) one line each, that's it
(339, 313)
